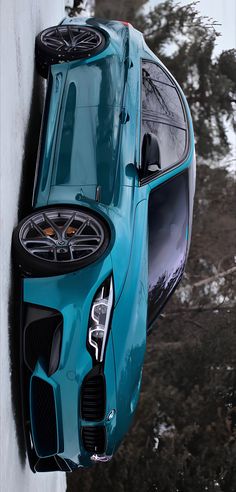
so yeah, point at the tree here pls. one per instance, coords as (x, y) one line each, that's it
(182, 438)
(124, 10)
(209, 83)
(76, 9)
(185, 42)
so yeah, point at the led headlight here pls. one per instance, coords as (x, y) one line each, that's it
(99, 319)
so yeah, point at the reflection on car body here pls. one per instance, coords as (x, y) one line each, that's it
(107, 240)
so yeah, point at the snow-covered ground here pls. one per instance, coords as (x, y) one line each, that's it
(19, 101)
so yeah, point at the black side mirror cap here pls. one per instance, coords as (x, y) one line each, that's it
(150, 153)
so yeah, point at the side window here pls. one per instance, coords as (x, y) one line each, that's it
(171, 141)
(164, 128)
(167, 246)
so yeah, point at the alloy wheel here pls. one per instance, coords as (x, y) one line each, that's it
(71, 39)
(61, 235)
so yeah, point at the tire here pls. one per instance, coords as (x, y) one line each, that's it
(58, 240)
(64, 43)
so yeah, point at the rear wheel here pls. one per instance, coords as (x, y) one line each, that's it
(66, 43)
(59, 240)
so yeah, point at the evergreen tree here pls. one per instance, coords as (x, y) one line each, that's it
(76, 9)
(123, 9)
(184, 433)
(185, 42)
(184, 438)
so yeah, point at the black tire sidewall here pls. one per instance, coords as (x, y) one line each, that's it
(50, 56)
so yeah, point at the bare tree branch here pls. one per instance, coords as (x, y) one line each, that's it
(208, 307)
(218, 275)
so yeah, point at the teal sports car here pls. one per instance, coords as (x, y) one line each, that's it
(107, 240)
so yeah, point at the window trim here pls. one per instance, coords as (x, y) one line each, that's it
(147, 179)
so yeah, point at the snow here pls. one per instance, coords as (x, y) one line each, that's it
(20, 22)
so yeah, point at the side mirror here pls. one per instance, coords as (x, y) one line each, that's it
(150, 154)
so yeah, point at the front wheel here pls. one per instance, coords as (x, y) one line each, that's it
(66, 43)
(59, 240)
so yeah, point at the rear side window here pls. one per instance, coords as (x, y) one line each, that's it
(163, 116)
(168, 231)
(171, 140)
(161, 98)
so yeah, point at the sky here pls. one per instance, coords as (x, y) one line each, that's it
(224, 12)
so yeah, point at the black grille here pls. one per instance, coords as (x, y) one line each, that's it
(93, 398)
(94, 439)
(44, 417)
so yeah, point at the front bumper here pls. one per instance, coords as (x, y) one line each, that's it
(58, 426)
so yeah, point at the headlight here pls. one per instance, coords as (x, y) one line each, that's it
(99, 319)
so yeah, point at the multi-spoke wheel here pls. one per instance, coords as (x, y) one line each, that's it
(66, 43)
(59, 240)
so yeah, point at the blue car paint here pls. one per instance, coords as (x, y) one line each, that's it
(125, 207)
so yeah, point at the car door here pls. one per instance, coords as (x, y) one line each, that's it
(164, 148)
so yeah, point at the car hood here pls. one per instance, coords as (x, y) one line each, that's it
(82, 124)
(87, 140)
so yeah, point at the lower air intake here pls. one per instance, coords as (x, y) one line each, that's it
(43, 417)
(43, 333)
